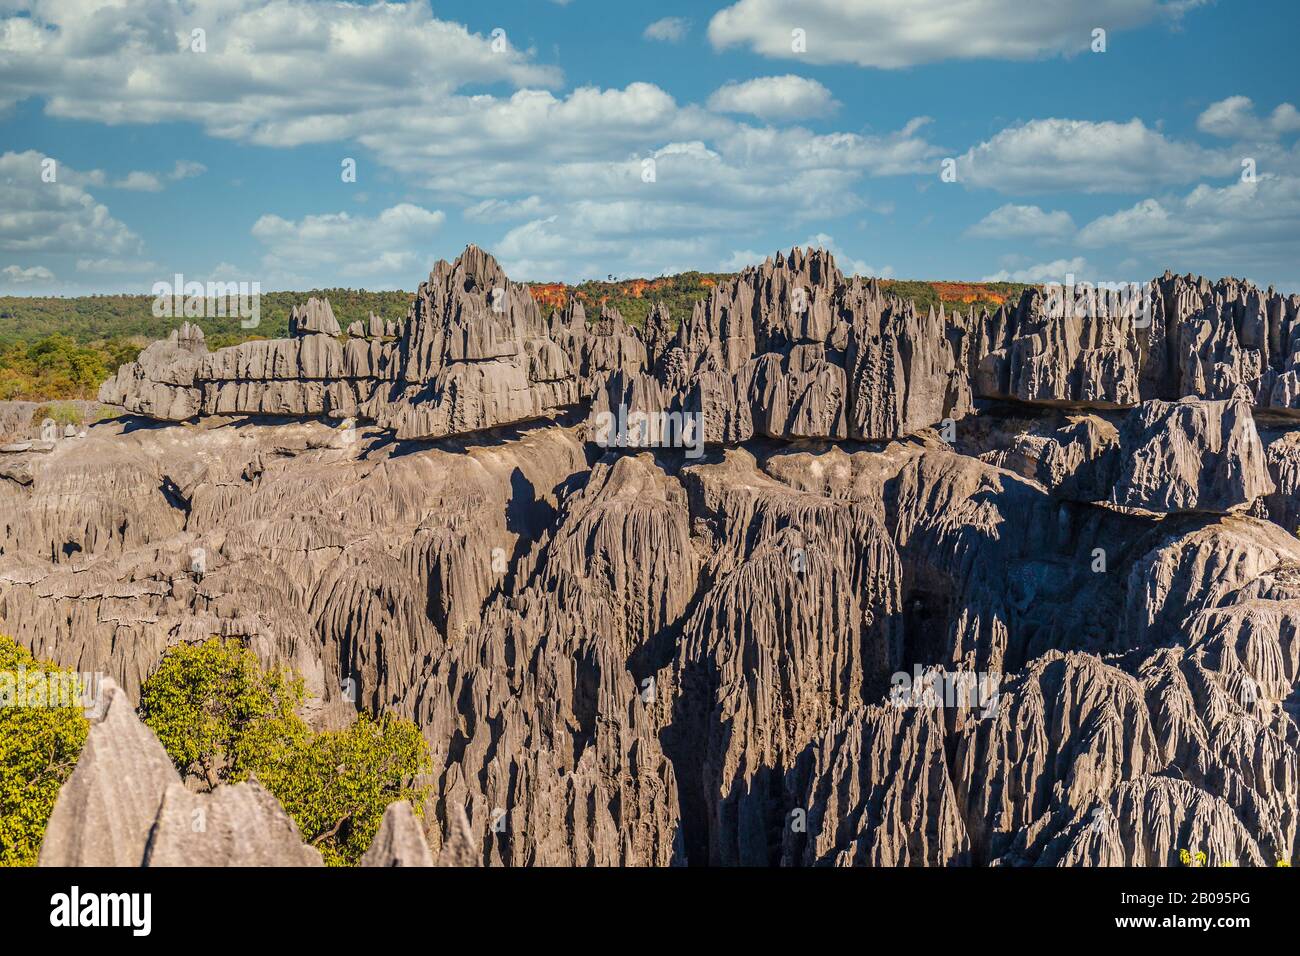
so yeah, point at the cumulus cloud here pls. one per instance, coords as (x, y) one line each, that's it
(389, 79)
(139, 181)
(775, 98)
(504, 210)
(149, 182)
(1016, 222)
(1055, 271)
(17, 275)
(1049, 155)
(596, 140)
(612, 163)
(900, 33)
(1235, 118)
(695, 197)
(384, 249)
(186, 169)
(117, 266)
(58, 217)
(559, 247)
(669, 29)
(1244, 228)
(624, 171)
(281, 73)
(741, 259)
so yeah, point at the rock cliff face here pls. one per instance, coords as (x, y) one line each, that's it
(807, 577)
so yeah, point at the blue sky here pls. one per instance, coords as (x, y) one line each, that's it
(225, 162)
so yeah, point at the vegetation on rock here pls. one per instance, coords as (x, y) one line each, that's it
(218, 712)
(222, 717)
(42, 729)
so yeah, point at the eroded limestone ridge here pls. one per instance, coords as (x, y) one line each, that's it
(1060, 629)
(788, 349)
(638, 659)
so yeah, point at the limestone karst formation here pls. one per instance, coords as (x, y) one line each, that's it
(1010, 588)
(125, 805)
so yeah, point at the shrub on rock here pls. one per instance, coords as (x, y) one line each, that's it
(42, 729)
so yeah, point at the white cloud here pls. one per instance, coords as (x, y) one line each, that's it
(385, 76)
(187, 169)
(1054, 271)
(388, 79)
(138, 181)
(702, 196)
(1234, 118)
(592, 140)
(55, 218)
(900, 33)
(1245, 228)
(1049, 155)
(849, 265)
(565, 248)
(775, 98)
(390, 248)
(17, 275)
(669, 29)
(117, 266)
(281, 73)
(1015, 222)
(143, 181)
(591, 153)
(504, 210)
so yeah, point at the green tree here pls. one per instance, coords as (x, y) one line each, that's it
(222, 718)
(337, 785)
(42, 730)
(218, 712)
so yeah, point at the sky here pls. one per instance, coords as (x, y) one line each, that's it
(927, 139)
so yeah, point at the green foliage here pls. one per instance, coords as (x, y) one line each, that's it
(59, 348)
(922, 293)
(39, 746)
(634, 298)
(52, 367)
(63, 413)
(337, 784)
(218, 712)
(956, 295)
(109, 318)
(222, 717)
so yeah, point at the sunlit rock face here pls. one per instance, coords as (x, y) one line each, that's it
(922, 589)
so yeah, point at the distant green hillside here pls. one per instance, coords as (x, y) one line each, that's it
(632, 297)
(62, 348)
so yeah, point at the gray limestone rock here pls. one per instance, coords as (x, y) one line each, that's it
(106, 810)
(400, 840)
(1190, 455)
(316, 317)
(240, 825)
(623, 654)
